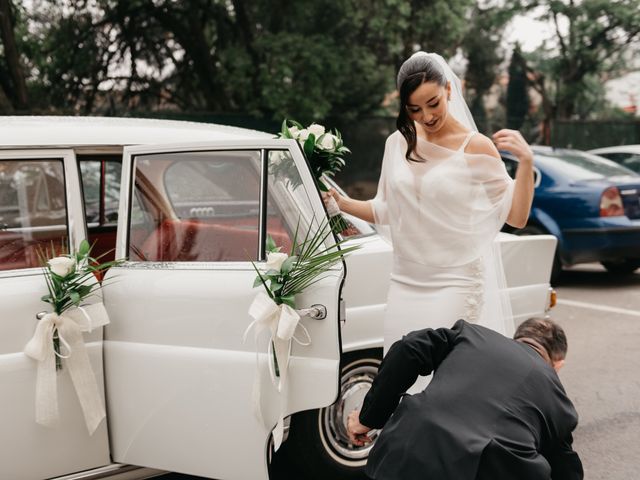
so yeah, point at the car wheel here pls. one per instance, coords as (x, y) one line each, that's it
(318, 443)
(556, 269)
(623, 267)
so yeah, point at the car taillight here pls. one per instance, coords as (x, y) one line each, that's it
(611, 203)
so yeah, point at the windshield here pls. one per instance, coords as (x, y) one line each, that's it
(585, 166)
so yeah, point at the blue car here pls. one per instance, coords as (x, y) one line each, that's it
(591, 204)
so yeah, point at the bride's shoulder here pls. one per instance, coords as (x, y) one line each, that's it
(482, 145)
(395, 137)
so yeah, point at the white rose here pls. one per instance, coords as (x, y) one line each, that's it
(294, 131)
(275, 260)
(62, 266)
(328, 141)
(316, 129)
(303, 135)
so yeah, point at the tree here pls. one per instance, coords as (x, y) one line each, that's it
(592, 37)
(517, 90)
(310, 59)
(482, 46)
(12, 77)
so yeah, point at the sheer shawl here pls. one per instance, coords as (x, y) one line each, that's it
(446, 212)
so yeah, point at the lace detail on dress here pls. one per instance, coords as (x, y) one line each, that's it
(475, 299)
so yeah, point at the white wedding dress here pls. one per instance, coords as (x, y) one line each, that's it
(442, 217)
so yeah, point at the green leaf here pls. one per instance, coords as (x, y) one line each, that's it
(288, 264)
(84, 290)
(275, 286)
(75, 297)
(271, 245)
(264, 282)
(309, 145)
(257, 282)
(289, 300)
(84, 248)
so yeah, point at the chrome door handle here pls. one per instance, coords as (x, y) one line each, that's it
(316, 311)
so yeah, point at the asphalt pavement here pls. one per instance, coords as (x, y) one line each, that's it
(600, 313)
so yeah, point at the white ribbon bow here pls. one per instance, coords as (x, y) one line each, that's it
(281, 321)
(70, 326)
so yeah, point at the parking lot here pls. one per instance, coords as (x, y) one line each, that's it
(601, 315)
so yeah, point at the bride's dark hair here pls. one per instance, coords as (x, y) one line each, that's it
(413, 73)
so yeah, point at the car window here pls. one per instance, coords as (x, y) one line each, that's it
(33, 211)
(101, 192)
(101, 189)
(202, 206)
(626, 159)
(618, 157)
(632, 162)
(511, 166)
(585, 166)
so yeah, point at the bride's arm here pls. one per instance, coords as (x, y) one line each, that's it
(511, 141)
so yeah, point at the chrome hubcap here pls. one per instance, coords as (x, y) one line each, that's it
(354, 386)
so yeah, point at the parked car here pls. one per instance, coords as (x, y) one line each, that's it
(591, 205)
(626, 155)
(175, 373)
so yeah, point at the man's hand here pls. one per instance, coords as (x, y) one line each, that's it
(357, 432)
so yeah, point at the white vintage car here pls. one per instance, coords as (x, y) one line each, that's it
(189, 205)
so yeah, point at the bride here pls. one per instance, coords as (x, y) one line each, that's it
(442, 197)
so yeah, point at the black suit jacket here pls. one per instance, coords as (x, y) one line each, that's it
(494, 410)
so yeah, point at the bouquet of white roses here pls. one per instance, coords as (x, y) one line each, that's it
(325, 151)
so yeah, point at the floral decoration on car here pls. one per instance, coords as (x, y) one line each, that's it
(71, 279)
(283, 276)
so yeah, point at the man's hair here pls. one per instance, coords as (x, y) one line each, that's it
(547, 333)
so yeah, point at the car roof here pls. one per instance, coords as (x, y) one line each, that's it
(58, 131)
(618, 149)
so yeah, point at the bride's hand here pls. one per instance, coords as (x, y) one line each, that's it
(512, 141)
(332, 193)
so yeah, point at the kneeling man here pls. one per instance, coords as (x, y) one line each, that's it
(495, 409)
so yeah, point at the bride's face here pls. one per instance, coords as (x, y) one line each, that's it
(427, 105)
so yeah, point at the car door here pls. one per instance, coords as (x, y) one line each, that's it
(40, 207)
(179, 376)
